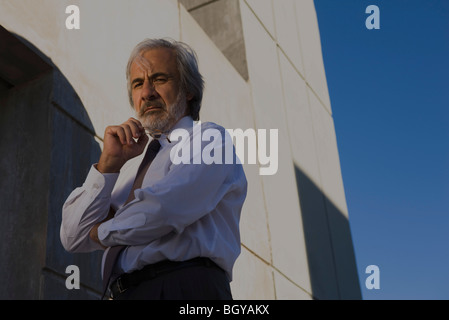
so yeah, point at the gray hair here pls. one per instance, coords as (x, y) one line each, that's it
(191, 80)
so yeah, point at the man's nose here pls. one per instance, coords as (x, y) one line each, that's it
(149, 91)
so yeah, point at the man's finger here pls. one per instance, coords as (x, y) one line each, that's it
(143, 140)
(137, 122)
(136, 127)
(128, 133)
(120, 133)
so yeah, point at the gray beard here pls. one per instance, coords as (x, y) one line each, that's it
(162, 120)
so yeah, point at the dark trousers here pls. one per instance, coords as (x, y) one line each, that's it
(192, 283)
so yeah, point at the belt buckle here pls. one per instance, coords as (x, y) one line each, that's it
(117, 288)
(120, 286)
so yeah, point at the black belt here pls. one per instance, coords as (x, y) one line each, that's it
(127, 280)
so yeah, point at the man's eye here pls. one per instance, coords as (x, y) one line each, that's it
(160, 80)
(137, 84)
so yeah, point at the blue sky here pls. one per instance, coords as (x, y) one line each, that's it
(389, 91)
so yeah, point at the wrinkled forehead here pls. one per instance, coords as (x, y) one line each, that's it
(155, 60)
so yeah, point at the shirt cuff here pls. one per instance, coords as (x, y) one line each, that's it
(103, 232)
(104, 182)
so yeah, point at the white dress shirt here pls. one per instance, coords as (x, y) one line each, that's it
(182, 211)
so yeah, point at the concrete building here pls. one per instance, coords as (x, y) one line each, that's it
(262, 63)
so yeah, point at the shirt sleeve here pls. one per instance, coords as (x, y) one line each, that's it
(186, 194)
(85, 207)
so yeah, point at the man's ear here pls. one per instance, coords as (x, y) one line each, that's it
(189, 96)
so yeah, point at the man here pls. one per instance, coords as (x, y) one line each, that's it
(170, 229)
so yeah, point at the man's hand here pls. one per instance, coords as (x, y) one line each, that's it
(119, 145)
(93, 234)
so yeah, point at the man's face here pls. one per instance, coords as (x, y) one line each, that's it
(158, 101)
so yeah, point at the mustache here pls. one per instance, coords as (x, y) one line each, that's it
(148, 104)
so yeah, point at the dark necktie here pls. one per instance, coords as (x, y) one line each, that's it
(113, 252)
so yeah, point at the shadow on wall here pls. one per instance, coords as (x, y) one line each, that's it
(47, 148)
(330, 253)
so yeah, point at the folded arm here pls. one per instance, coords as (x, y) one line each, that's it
(85, 207)
(186, 194)
(172, 204)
